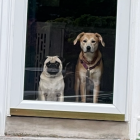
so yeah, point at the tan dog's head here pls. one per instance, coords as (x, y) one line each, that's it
(52, 66)
(89, 41)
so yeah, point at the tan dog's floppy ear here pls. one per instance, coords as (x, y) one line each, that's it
(78, 37)
(100, 38)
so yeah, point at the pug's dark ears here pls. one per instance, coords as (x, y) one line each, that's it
(78, 38)
(61, 58)
(43, 59)
(100, 39)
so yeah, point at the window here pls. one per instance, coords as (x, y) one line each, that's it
(49, 29)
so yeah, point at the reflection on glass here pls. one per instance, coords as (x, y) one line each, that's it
(52, 27)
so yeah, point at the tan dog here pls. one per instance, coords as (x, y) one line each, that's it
(89, 64)
(51, 84)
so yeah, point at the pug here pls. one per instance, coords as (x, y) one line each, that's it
(51, 84)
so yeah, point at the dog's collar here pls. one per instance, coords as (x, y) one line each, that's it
(89, 68)
(94, 63)
(87, 62)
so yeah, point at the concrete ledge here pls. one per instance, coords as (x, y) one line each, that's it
(46, 138)
(36, 138)
(66, 128)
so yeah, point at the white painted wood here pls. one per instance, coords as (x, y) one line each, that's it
(13, 85)
(5, 44)
(2, 119)
(134, 70)
(1, 106)
(121, 55)
(18, 60)
(18, 57)
(76, 107)
(10, 53)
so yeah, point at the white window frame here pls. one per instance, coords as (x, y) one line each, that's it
(16, 61)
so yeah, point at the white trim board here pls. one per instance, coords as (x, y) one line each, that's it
(7, 26)
(134, 70)
(72, 107)
(6, 12)
(18, 57)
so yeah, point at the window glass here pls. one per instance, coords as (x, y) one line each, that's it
(70, 50)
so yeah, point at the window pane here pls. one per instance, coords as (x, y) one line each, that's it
(52, 27)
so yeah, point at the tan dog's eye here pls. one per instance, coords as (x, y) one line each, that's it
(93, 41)
(84, 41)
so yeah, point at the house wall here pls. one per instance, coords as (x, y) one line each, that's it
(5, 8)
(65, 127)
(134, 70)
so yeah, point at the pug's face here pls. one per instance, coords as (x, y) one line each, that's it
(52, 66)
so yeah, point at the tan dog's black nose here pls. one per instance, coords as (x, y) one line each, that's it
(88, 48)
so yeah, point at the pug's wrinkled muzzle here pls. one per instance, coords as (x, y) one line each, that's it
(52, 71)
(53, 68)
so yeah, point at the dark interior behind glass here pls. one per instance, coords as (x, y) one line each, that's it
(52, 25)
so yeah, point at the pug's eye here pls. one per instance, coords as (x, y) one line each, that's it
(93, 41)
(48, 64)
(45, 94)
(84, 41)
(57, 64)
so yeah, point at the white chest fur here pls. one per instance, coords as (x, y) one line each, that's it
(51, 85)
